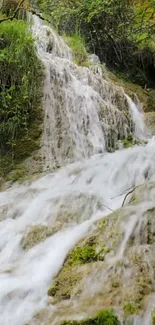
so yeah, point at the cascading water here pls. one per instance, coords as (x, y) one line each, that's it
(83, 115)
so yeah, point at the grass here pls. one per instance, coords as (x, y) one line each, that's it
(77, 44)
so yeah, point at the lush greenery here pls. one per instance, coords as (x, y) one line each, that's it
(104, 317)
(121, 32)
(77, 45)
(82, 255)
(20, 93)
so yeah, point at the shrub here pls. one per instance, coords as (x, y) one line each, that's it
(21, 77)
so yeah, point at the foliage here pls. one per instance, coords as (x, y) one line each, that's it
(78, 47)
(20, 89)
(104, 317)
(121, 32)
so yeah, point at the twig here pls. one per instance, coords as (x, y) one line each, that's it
(129, 193)
(122, 193)
(107, 207)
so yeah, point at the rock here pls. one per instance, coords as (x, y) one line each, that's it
(93, 58)
(35, 235)
(150, 121)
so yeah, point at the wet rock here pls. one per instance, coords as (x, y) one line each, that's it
(35, 235)
(150, 121)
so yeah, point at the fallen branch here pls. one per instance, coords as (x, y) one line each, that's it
(14, 14)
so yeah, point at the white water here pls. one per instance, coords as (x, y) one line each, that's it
(137, 115)
(26, 276)
(85, 114)
(74, 196)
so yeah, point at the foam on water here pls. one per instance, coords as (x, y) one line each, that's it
(26, 275)
(78, 193)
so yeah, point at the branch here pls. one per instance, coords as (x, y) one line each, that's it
(14, 14)
(114, 197)
(129, 193)
(107, 207)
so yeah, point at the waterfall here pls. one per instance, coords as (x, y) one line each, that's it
(84, 115)
(137, 115)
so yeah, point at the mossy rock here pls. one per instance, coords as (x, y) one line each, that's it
(153, 317)
(88, 252)
(36, 235)
(104, 317)
(63, 284)
(130, 308)
(82, 255)
(150, 121)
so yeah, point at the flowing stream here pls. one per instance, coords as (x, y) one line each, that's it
(78, 193)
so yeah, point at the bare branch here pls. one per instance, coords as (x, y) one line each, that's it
(15, 12)
(129, 193)
(114, 197)
(107, 207)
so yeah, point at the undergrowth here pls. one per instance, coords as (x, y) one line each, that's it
(21, 75)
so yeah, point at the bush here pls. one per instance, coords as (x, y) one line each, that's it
(21, 77)
(120, 32)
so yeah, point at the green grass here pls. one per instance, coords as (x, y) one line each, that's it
(21, 75)
(77, 44)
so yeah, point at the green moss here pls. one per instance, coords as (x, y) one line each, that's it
(153, 317)
(82, 255)
(36, 235)
(15, 175)
(107, 317)
(63, 285)
(104, 317)
(130, 308)
(127, 144)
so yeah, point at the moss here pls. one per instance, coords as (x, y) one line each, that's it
(36, 235)
(16, 175)
(63, 284)
(130, 308)
(82, 255)
(127, 143)
(104, 317)
(153, 317)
